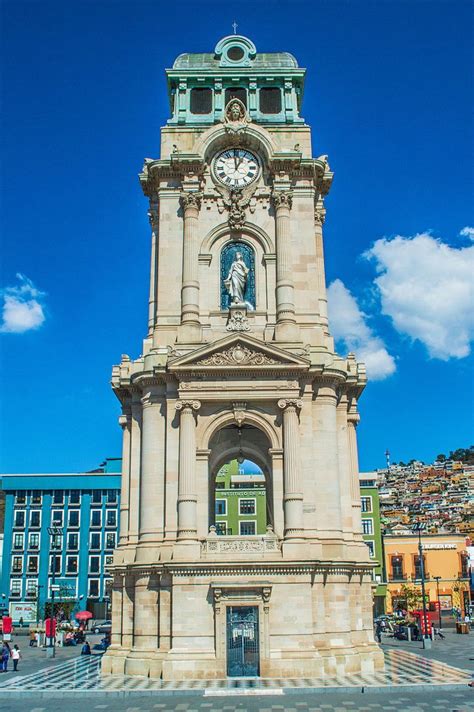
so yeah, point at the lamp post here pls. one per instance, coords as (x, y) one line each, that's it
(419, 527)
(53, 533)
(38, 587)
(437, 579)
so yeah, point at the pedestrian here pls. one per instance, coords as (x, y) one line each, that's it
(86, 649)
(378, 631)
(21, 622)
(38, 638)
(16, 655)
(438, 633)
(5, 654)
(32, 638)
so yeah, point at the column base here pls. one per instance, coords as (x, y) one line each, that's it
(189, 333)
(287, 331)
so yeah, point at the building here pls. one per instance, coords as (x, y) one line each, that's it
(85, 507)
(241, 499)
(238, 361)
(372, 535)
(446, 569)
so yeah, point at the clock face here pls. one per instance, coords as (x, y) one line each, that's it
(236, 167)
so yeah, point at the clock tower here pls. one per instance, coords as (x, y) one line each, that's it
(238, 366)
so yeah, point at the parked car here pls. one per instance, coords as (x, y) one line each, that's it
(103, 627)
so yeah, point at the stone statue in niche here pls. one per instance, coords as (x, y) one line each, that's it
(237, 279)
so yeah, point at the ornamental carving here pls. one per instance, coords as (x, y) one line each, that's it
(238, 320)
(282, 199)
(237, 355)
(192, 404)
(191, 200)
(241, 546)
(239, 408)
(290, 403)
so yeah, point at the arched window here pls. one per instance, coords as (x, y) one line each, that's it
(228, 256)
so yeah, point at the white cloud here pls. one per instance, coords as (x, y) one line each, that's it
(348, 324)
(467, 232)
(22, 308)
(426, 288)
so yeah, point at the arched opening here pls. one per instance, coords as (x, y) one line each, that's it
(240, 482)
(233, 252)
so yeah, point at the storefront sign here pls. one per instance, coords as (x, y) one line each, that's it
(24, 610)
(446, 545)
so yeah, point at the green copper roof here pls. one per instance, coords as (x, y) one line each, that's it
(266, 60)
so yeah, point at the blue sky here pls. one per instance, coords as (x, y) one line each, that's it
(388, 94)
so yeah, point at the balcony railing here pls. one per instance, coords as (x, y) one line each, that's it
(417, 576)
(394, 576)
(463, 575)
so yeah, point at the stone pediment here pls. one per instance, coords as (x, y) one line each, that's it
(239, 352)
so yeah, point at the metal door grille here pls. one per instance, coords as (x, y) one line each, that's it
(242, 641)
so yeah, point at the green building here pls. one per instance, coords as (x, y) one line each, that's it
(372, 534)
(241, 500)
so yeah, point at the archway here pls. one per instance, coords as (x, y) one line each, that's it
(240, 481)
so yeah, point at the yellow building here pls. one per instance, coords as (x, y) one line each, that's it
(444, 556)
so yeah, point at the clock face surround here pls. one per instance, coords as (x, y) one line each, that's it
(236, 168)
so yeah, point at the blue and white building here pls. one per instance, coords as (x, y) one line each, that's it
(85, 507)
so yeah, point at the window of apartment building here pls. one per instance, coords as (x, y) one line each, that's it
(55, 561)
(464, 561)
(221, 529)
(58, 497)
(236, 93)
(367, 483)
(57, 516)
(270, 100)
(32, 565)
(110, 540)
(57, 542)
(35, 518)
(397, 567)
(93, 588)
(96, 518)
(94, 564)
(417, 566)
(20, 498)
(246, 528)
(31, 587)
(18, 541)
(19, 519)
(109, 560)
(201, 100)
(247, 506)
(36, 497)
(72, 563)
(221, 507)
(15, 587)
(94, 542)
(108, 587)
(96, 497)
(73, 518)
(74, 497)
(111, 518)
(366, 503)
(17, 564)
(367, 526)
(34, 540)
(371, 547)
(73, 541)
(112, 496)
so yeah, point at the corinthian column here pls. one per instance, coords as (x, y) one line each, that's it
(152, 468)
(286, 328)
(319, 217)
(125, 421)
(293, 497)
(187, 497)
(190, 329)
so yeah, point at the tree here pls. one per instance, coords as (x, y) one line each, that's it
(441, 457)
(412, 596)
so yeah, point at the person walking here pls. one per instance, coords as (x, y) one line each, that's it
(32, 638)
(16, 655)
(378, 631)
(6, 652)
(86, 649)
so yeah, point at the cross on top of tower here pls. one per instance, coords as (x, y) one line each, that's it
(235, 25)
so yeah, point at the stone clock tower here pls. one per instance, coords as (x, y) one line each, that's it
(238, 364)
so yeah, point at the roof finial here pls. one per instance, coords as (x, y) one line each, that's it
(235, 25)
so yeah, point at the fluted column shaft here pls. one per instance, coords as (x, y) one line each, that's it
(319, 217)
(152, 468)
(135, 462)
(125, 421)
(190, 286)
(293, 497)
(352, 422)
(345, 472)
(285, 302)
(325, 441)
(187, 496)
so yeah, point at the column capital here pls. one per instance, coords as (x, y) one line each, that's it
(150, 399)
(153, 213)
(290, 403)
(125, 420)
(282, 199)
(191, 200)
(188, 405)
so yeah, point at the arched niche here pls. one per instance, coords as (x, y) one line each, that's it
(229, 253)
(233, 444)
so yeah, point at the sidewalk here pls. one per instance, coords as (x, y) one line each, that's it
(34, 659)
(456, 650)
